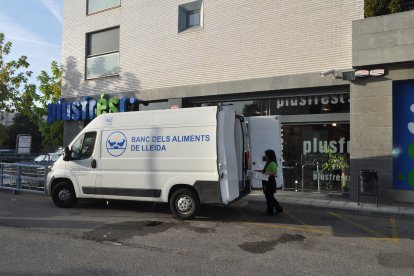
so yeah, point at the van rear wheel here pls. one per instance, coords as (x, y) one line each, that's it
(184, 204)
(64, 195)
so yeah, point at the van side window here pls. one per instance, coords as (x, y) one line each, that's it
(83, 146)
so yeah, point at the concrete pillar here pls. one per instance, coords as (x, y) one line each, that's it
(371, 133)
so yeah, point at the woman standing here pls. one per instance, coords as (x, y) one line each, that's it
(269, 186)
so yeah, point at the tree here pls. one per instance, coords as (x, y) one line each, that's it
(13, 76)
(18, 94)
(50, 88)
(381, 7)
(375, 7)
(394, 6)
(34, 105)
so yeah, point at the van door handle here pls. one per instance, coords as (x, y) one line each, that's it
(93, 163)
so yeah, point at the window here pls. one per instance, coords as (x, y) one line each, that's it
(100, 5)
(102, 53)
(193, 18)
(83, 146)
(190, 16)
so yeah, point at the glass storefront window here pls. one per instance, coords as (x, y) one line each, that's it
(305, 144)
(295, 105)
(305, 151)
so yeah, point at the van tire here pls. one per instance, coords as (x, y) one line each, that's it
(64, 195)
(184, 204)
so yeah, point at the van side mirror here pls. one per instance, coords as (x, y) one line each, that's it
(66, 154)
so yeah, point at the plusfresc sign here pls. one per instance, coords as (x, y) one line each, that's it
(88, 108)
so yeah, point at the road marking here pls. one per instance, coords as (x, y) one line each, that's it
(363, 227)
(307, 228)
(312, 228)
(383, 239)
(281, 226)
(394, 230)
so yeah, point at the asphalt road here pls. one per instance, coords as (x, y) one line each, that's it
(129, 238)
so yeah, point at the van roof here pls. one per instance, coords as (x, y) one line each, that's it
(156, 118)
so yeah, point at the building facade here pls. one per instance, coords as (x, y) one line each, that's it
(260, 57)
(382, 107)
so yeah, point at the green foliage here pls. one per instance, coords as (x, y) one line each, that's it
(34, 105)
(50, 85)
(336, 161)
(381, 7)
(13, 76)
(394, 6)
(52, 134)
(17, 94)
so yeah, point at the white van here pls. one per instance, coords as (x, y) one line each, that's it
(185, 157)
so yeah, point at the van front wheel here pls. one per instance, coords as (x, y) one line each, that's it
(63, 195)
(184, 204)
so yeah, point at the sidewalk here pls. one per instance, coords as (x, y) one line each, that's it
(324, 200)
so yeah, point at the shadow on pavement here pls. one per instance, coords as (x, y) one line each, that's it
(27, 211)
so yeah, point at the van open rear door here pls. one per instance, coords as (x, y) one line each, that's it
(264, 134)
(230, 152)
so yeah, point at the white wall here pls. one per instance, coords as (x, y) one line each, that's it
(241, 39)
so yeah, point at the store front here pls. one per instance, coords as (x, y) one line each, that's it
(312, 124)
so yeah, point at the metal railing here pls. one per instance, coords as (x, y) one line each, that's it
(23, 177)
(308, 185)
(315, 163)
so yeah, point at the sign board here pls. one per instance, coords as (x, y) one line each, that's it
(403, 135)
(361, 73)
(373, 73)
(24, 143)
(174, 106)
(376, 72)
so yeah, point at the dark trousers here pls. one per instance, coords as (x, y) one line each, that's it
(271, 202)
(269, 189)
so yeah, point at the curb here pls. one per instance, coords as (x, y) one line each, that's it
(363, 208)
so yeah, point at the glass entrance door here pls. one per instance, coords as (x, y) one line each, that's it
(307, 164)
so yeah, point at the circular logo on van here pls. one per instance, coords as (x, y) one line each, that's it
(116, 143)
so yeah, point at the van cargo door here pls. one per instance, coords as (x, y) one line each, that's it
(227, 157)
(264, 134)
(240, 141)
